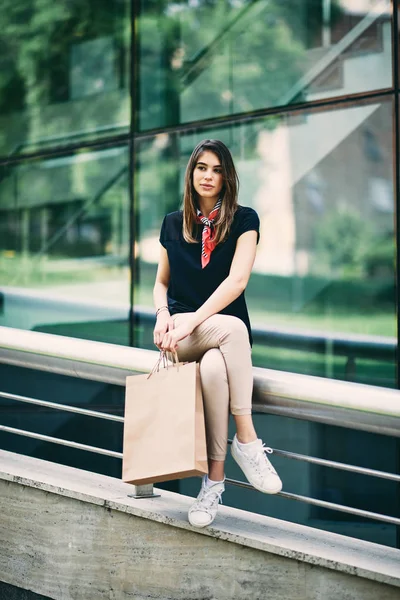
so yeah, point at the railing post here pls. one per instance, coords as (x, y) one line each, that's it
(143, 491)
(351, 368)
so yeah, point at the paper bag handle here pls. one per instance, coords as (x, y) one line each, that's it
(163, 359)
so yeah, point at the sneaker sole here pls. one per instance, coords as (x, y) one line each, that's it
(255, 486)
(200, 526)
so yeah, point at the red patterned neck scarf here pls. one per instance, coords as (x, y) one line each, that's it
(207, 242)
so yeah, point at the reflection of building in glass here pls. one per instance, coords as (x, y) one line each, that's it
(274, 203)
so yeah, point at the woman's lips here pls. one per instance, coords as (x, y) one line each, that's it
(207, 187)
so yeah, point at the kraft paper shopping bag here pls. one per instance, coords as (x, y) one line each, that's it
(164, 432)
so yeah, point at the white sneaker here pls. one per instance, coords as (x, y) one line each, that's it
(254, 463)
(204, 509)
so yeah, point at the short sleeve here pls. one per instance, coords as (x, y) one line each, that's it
(248, 221)
(163, 232)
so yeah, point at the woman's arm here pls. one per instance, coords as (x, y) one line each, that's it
(226, 292)
(164, 320)
(162, 280)
(235, 283)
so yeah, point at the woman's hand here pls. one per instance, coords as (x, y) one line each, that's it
(164, 323)
(172, 337)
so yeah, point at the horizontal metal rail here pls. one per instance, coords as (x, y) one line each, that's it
(322, 462)
(313, 501)
(65, 407)
(318, 399)
(60, 442)
(335, 465)
(324, 504)
(293, 455)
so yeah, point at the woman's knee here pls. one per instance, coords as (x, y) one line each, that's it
(235, 329)
(212, 365)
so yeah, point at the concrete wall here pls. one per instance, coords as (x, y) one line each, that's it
(74, 535)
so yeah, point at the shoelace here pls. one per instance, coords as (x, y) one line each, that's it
(260, 455)
(207, 499)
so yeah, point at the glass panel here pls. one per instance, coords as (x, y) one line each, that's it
(322, 292)
(203, 59)
(64, 70)
(64, 245)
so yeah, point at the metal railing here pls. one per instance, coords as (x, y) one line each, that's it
(333, 402)
(331, 344)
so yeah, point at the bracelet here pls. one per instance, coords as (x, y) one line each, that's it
(161, 309)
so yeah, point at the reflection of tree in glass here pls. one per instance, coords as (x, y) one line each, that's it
(342, 241)
(209, 58)
(36, 43)
(51, 67)
(206, 58)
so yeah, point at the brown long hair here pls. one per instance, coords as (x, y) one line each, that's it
(229, 192)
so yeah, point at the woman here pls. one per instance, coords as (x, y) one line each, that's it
(207, 253)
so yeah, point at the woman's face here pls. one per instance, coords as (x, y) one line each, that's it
(207, 176)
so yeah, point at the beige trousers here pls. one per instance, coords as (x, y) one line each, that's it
(222, 348)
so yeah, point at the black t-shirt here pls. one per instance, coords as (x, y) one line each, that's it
(191, 285)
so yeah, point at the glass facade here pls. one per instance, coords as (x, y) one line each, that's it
(101, 104)
(201, 60)
(64, 73)
(64, 240)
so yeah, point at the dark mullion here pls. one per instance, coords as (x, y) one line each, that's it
(344, 101)
(396, 169)
(395, 46)
(132, 164)
(195, 125)
(60, 151)
(336, 102)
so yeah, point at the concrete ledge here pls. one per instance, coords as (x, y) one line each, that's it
(68, 534)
